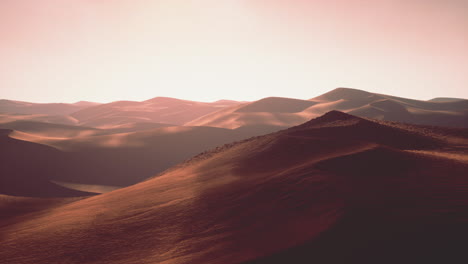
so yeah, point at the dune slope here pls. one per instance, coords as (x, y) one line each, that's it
(157, 110)
(25, 169)
(285, 112)
(18, 107)
(86, 157)
(337, 189)
(128, 158)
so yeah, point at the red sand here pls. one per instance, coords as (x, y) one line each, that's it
(337, 189)
(285, 112)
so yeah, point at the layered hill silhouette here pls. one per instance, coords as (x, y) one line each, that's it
(53, 119)
(285, 112)
(336, 189)
(19, 107)
(156, 110)
(265, 115)
(53, 130)
(121, 116)
(122, 143)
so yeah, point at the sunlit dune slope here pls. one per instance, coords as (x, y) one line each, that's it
(158, 110)
(25, 169)
(336, 189)
(50, 129)
(124, 125)
(285, 112)
(44, 131)
(13, 207)
(55, 119)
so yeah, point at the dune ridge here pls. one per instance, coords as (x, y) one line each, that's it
(98, 157)
(19, 107)
(156, 110)
(286, 112)
(336, 189)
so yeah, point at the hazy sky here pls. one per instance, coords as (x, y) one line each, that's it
(103, 50)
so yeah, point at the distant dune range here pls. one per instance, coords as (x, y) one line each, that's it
(104, 146)
(272, 112)
(336, 189)
(107, 116)
(285, 112)
(156, 110)
(19, 107)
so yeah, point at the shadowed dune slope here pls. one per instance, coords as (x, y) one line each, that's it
(156, 110)
(276, 104)
(285, 112)
(337, 189)
(25, 169)
(119, 159)
(445, 99)
(128, 158)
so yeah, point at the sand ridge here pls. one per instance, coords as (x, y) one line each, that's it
(337, 188)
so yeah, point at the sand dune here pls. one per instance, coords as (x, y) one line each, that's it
(269, 112)
(26, 167)
(128, 158)
(13, 207)
(50, 129)
(232, 118)
(109, 159)
(336, 189)
(54, 119)
(132, 127)
(121, 116)
(71, 131)
(86, 159)
(285, 112)
(276, 104)
(156, 110)
(445, 99)
(86, 103)
(18, 107)
(93, 188)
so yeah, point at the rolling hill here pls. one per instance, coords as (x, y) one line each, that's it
(336, 189)
(286, 112)
(99, 158)
(19, 107)
(156, 110)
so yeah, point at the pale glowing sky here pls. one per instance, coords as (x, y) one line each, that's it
(106, 50)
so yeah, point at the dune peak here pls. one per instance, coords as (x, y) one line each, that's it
(332, 116)
(342, 93)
